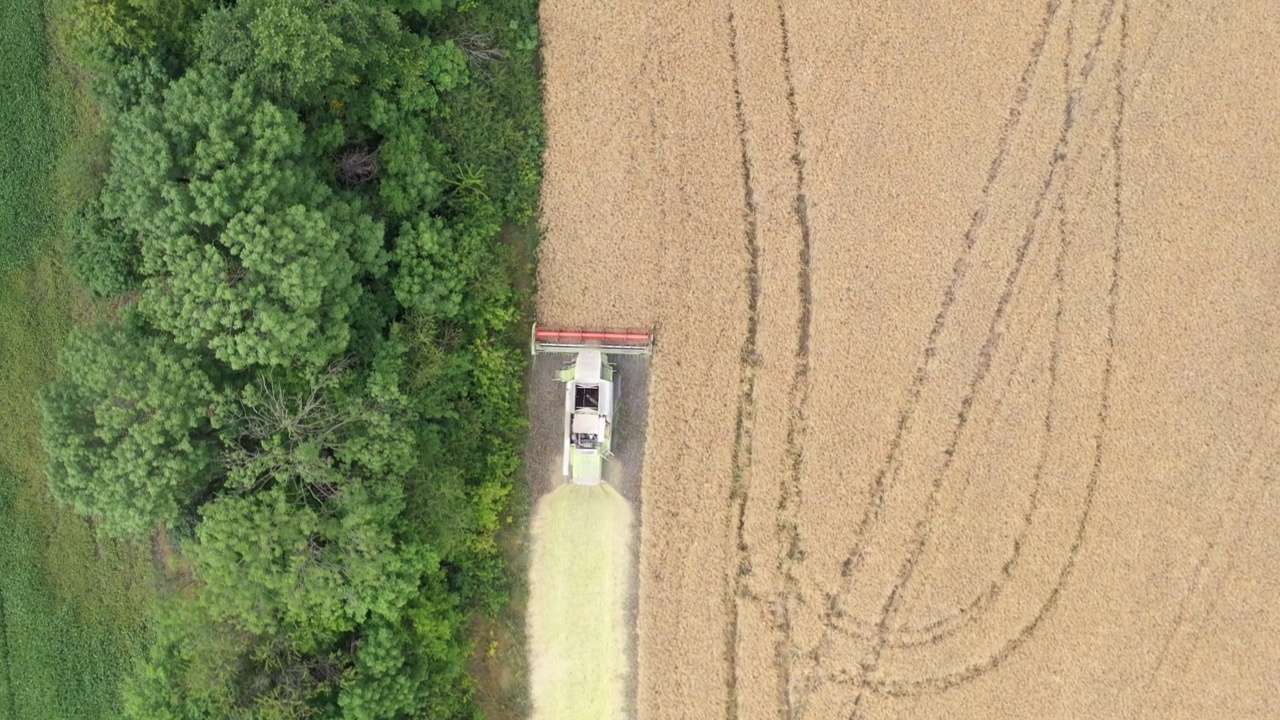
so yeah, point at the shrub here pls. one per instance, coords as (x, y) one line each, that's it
(103, 254)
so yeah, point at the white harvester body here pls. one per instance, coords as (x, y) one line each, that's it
(588, 417)
(590, 394)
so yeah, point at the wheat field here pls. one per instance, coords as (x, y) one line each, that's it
(964, 397)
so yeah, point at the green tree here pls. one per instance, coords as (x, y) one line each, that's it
(314, 569)
(330, 53)
(296, 51)
(306, 536)
(156, 27)
(198, 668)
(104, 255)
(432, 274)
(413, 665)
(131, 81)
(439, 262)
(245, 250)
(410, 176)
(422, 7)
(288, 424)
(127, 427)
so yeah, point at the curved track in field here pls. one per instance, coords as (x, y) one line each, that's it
(964, 396)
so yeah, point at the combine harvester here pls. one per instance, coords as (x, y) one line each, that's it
(590, 393)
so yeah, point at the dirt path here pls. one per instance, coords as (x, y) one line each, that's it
(964, 403)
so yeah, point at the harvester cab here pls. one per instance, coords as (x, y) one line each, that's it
(590, 393)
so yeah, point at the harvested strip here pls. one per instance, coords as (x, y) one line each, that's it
(579, 582)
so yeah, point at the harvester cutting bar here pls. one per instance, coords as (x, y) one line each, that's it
(613, 342)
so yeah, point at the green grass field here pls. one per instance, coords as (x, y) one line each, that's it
(579, 582)
(62, 651)
(71, 603)
(32, 129)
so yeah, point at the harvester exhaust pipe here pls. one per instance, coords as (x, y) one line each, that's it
(613, 342)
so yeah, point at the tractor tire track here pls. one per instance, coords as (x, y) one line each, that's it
(946, 626)
(899, 687)
(975, 670)
(748, 362)
(917, 120)
(792, 552)
(941, 627)
(1258, 462)
(986, 355)
(882, 479)
(921, 532)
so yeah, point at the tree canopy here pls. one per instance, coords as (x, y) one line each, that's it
(317, 568)
(313, 378)
(302, 52)
(104, 255)
(98, 27)
(245, 249)
(306, 534)
(352, 57)
(127, 428)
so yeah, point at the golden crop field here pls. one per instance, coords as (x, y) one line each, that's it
(964, 397)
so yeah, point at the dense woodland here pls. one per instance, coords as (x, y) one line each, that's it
(311, 379)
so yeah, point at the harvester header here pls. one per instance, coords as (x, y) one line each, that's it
(613, 342)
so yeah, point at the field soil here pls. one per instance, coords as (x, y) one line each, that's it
(964, 401)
